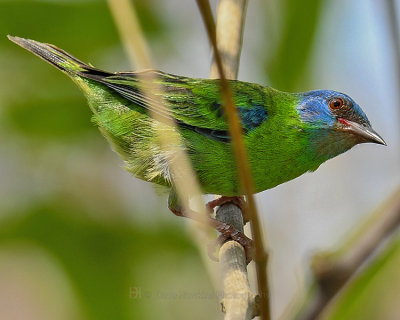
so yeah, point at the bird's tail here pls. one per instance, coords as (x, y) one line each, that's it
(53, 55)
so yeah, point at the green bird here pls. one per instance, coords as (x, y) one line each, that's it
(286, 134)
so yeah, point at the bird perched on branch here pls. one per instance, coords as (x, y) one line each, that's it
(286, 134)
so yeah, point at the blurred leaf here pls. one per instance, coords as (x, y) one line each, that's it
(50, 118)
(287, 66)
(80, 27)
(375, 292)
(86, 25)
(102, 260)
(41, 102)
(151, 22)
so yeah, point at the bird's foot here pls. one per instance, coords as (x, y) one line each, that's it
(237, 201)
(239, 237)
(227, 232)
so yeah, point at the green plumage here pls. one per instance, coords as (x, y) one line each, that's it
(132, 133)
(282, 142)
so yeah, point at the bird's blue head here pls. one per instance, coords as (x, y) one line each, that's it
(335, 121)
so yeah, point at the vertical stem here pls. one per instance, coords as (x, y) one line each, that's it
(231, 16)
(242, 161)
(185, 181)
(131, 33)
(239, 301)
(393, 22)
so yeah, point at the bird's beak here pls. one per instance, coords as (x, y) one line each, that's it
(366, 133)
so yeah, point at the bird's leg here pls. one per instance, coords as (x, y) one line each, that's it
(226, 231)
(237, 201)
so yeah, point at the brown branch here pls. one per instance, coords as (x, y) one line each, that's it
(333, 271)
(246, 182)
(239, 301)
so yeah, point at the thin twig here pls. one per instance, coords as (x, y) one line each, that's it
(393, 22)
(332, 271)
(239, 301)
(183, 175)
(131, 33)
(246, 184)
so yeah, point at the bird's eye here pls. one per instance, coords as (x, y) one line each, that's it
(336, 103)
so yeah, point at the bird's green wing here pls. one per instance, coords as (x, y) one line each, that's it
(194, 103)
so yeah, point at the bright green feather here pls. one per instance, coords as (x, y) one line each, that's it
(286, 134)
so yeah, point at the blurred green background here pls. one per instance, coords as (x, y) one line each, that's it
(78, 238)
(81, 239)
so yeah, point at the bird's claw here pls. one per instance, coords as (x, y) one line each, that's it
(238, 201)
(239, 237)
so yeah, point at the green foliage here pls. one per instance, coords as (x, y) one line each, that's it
(104, 262)
(373, 294)
(43, 114)
(62, 195)
(287, 65)
(50, 118)
(55, 109)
